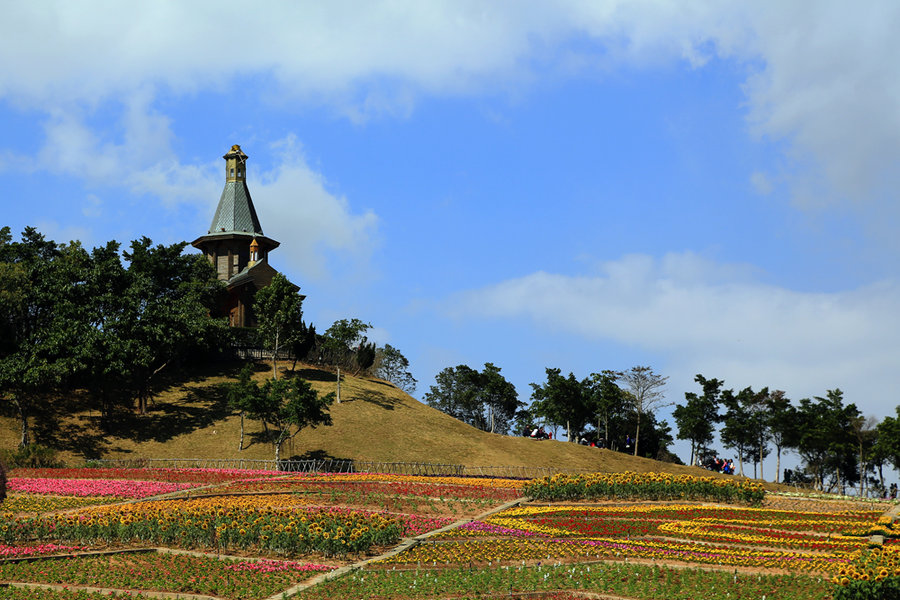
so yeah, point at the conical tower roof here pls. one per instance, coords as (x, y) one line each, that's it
(235, 215)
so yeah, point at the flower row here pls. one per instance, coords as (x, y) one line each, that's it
(275, 523)
(119, 488)
(15, 551)
(419, 489)
(173, 573)
(31, 503)
(647, 486)
(488, 482)
(204, 476)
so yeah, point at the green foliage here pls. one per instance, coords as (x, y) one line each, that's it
(888, 441)
(746, 424)
(483, 399)
(562, 400)
(825, 441)
(608, 403)
(696, 419)
(163, 314)
(782, 423)
(73, 318)
(279, 313)
(289, 405)
(365, 357)
(645, 387)
(643, 486)
(43, 321)
(31, 456)
(344, 344)
(305, 343)
(391, 365)
(887, 589)
(544, 580)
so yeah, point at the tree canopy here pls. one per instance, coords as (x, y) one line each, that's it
(646, 389)
(279, 313)
(483, 399)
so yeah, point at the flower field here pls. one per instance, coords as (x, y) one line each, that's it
(246, 535)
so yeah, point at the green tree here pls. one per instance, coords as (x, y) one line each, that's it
(783, 426)
(864, 431)
(391, 365)
(304, 343)
(41, 313)
(756, 409)
(607, 402)
(106, 343)
(165, 313)
(563, 401)
(737, 432)
(825, 442)
(646, 394)
(887, 443)
(344, 344)
(483, 399)
(499, 399)
(696, 419)
(279, 314)
(245, 396)
(291, 405)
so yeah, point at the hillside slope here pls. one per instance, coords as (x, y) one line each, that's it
(374, 422)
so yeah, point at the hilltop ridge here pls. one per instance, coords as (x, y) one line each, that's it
(190, 418)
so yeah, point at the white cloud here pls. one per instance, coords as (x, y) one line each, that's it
(822, 82)
(312, 223)
(140, 159)
(723, 326)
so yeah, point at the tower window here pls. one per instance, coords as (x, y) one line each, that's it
(239, 173)
(232, 173)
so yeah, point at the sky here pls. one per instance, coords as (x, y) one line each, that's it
(699, 187)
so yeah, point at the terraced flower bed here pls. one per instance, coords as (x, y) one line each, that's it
(153, 571)
(293, 527)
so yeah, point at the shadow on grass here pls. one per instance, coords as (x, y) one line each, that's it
(200, 407)
(84, 436)
(315, 375)
(379, 400)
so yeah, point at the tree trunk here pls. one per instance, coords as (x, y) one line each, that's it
(241, 445)
(568, 430)
(777, 463)
(862, 471)
(23, 418)
(761, 476)
(275, 359)
(637, 434)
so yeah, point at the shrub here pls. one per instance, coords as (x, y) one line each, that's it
(2, 483)
(32, 456)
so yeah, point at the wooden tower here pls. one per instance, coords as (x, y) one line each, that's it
(235, 244)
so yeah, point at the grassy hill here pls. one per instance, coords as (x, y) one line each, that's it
(189, 418)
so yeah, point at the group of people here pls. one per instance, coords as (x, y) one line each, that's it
(720, 465)
(537, 433)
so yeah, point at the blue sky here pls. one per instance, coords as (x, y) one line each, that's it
(702, 187)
